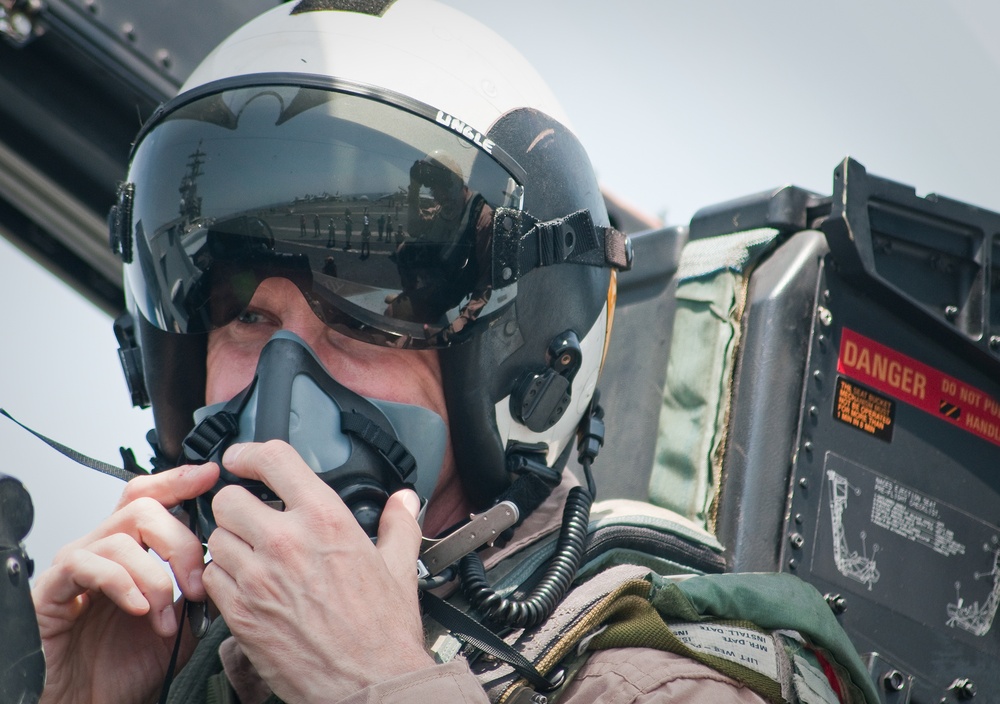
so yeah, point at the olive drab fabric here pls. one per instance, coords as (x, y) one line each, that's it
(711, 291)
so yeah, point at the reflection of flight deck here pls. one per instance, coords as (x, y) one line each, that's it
(328, 231)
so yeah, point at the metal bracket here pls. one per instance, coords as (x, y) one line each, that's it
(482, 529)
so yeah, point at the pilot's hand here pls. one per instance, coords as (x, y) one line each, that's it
(319, 610)
(105, 607)
(420, 172)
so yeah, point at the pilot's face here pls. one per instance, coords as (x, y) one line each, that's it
(403, 376)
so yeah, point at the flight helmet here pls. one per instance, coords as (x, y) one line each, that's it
(319, 119)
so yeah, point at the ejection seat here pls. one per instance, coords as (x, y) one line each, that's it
(830, 409)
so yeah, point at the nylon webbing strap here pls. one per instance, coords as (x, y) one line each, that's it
(78, 457)
(574, 239)
(478, 636)
(391, 449)
(172, 664)
(209, 434)
(548, 643)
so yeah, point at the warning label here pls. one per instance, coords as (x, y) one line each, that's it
(887, 371)
(864, 409)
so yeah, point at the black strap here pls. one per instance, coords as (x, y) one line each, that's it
(122, 473)
(482, 638)
(573, 239)
(390, 448)
(168, 679)
(201, 443)
(577, 240)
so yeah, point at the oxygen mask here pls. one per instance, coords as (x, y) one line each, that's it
(364, 449)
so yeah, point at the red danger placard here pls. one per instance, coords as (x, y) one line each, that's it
(906, 379)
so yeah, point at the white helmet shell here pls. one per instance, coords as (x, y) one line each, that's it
(488, 76)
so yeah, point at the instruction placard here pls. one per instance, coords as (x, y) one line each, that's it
(907, 550)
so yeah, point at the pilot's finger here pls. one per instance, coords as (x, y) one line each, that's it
(240, 515)
(173, 486)
(399, 535)
(121, 570)
(279, 466)
(150, 526)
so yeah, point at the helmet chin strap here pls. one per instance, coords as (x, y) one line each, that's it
(365, 449)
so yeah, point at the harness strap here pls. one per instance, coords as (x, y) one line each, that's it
(632, 621)
(390, 448)
(619, 608)
(766, 631)
(774, 602)
(545, 645)
(482, 638)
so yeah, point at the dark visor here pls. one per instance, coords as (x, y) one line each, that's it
(384, 219)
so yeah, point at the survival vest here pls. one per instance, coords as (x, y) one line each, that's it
(652, 580)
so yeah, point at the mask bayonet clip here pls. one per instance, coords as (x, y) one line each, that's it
(482, 529)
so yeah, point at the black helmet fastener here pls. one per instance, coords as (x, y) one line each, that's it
(540, 398)
(120, 222)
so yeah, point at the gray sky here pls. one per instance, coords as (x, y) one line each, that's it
(681, 105)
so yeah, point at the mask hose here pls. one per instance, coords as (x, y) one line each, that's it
(536, 607)
(570, 547)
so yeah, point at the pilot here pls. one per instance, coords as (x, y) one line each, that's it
(314, 439)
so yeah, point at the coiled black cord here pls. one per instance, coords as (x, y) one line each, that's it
(552, 587)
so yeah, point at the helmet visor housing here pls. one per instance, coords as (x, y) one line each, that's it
(381, 215)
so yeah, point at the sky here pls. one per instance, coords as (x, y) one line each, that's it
(680, 104)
